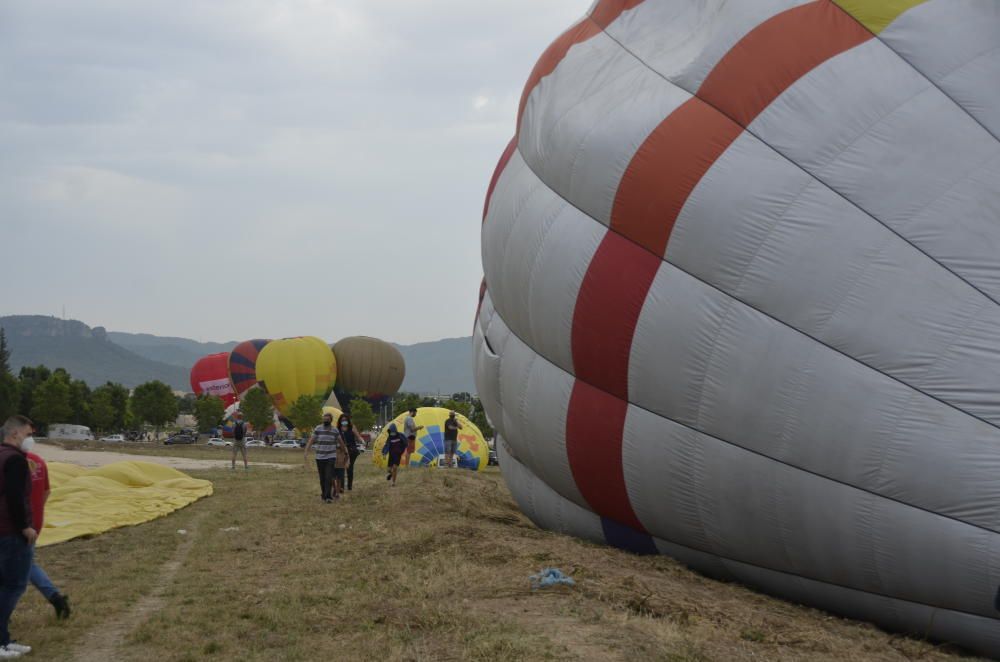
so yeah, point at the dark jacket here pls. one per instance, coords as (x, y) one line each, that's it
(15, 491)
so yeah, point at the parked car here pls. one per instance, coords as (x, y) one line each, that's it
(179, 439)
(114, 438)
(286, 443)
(255, 443)
(216, 441)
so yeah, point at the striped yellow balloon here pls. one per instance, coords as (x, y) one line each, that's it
(472, 453)
(290, 368)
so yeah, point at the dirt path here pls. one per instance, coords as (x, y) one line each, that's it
(104, 641)
(100, 458)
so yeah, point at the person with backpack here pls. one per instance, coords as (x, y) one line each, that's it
(394, 447)
(239, 439)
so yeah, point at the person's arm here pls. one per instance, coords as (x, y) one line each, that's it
(308, 446)
(343, 448)
(458, 424)
(15, 477)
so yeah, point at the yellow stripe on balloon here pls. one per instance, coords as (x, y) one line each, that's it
(876, 15)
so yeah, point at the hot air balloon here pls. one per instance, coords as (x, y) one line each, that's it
(293, 367)
(210, 376)
(242, 364)
(369, 365)
(473, 451)
(743, 292)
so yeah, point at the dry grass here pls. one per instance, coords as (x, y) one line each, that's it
(434, 569)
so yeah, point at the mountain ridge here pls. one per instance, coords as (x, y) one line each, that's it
(97, 355)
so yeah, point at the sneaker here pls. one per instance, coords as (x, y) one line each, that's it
(7, 653)
(61, 604)
(327, 500)
(18, 648)
(388, 476)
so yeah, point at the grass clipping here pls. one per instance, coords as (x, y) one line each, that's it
(434, 569)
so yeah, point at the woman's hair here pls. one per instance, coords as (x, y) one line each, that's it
(343, 417)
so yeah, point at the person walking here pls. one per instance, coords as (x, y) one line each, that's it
(394, 447)
(327, 440)
(340, 464)
(410, 429)
(17, 535)
(352, 438)
(40, 490)
(239, 440)
(451, 428)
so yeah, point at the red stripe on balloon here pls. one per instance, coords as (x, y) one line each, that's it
(594, 445)
(654, 189)
(665, 170)
(501, 165)
(775, 54)
(600, 18)
(607, 309)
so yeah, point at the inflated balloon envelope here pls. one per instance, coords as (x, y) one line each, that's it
(472, 451)
(292, 367)
(91, 501)
(743, 272)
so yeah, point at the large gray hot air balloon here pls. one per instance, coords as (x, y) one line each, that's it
(369, 365)
(743, 298)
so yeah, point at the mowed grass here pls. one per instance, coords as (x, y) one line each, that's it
(434, 569)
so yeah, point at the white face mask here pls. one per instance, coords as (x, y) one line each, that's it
(28, 444)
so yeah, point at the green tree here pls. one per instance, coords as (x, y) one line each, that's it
(362, 415)
(102, 410)
(306, 413)
(28, 380)
(10, 394)
(256, 407)
(50, 401)
(402, 402)
(79, 401)
(186, 404)
(154, 403)
(208, 411)
(464, 408)
(479, 419)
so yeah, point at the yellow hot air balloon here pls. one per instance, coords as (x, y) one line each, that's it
(369, 365)
(473, 452)
(293, 367)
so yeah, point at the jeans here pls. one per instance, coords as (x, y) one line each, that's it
(354, 453)
(15, 564)
(41, 581)
(325, 468)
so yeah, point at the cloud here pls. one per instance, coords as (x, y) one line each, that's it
(300, 147)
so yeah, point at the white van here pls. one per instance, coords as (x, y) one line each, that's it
(70, 431)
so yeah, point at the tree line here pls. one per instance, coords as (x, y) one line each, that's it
(53, 396)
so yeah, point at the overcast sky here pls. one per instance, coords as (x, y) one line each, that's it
(244, 168)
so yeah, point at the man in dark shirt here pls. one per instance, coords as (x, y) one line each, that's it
(239, 439)
(451, 428)
(16, 532)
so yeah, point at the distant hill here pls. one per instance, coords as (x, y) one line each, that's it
(85, 353)
(442, 366)
(96, 355)
(180, 352)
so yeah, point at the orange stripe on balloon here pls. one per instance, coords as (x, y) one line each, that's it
(654, 189)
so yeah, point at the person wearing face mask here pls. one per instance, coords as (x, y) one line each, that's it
(351, 436)
(17, 534)
(328, 441)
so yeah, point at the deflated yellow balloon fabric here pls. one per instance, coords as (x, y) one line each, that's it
(86, 501)
(472, 452)
(293, 367)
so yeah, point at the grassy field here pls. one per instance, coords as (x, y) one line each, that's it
(434, 569)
